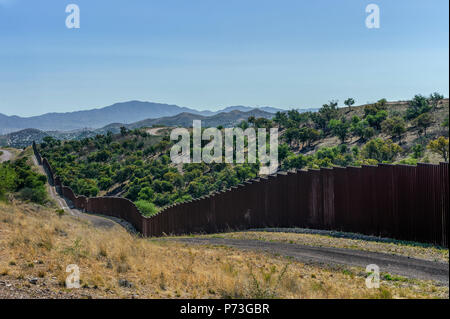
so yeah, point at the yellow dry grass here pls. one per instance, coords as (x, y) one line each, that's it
(36, 242)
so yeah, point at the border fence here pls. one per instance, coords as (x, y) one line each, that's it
(397, 201)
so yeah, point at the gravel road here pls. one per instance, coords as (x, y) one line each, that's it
(97, 221)
(393, 264)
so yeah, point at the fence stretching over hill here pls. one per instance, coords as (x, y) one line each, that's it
(397, 201)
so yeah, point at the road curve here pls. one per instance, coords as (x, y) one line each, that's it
(393, 264)
(97, 221)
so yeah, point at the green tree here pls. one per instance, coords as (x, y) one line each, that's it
(281, 119)
(394, 126)
(283, 151)
(308, 135)
(435, 98)
(424, 121)
(295, 161)
(292, 135)
(146, 194)
(339, 128)
(376, 120)
(417, 106)
(439, 146)
(326, 113)
(8, 179)
(123, 130)
(362, 129)
(349, 102)
(417, 151)
(382, 151)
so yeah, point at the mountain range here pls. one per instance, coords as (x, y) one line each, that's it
(25, 137)
(125, 113)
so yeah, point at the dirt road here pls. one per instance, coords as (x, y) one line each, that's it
(97, 221)
(393, 264)
(6, 156)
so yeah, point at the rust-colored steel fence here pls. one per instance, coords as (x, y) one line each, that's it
(397, 201)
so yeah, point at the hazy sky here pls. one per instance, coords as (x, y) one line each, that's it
(208, 54)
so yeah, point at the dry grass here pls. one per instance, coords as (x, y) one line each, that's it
(397, 248)
(36, 242)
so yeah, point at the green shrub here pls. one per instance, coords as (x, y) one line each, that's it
(8, 179)
(146, 208)
(37, 194)
(382, 151)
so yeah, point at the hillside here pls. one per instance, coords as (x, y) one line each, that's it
(38, 243)
(382, 132)
(25, 137)
(137, 165)
(225, 119)
(126, 113)
(412, 135)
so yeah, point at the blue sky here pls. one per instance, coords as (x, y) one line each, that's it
(209, 54)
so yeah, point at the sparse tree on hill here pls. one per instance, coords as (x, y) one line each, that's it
(439, 146)
(380, 150)
(339, 128)
(435, 98)
(424, 121)
(394, 126)
(349, 102)
(281, 119)
(417, 106)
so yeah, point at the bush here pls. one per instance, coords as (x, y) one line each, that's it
(440, 147)
(423, 121)
(417, 106)
(37, 194)
(339, 128)
(394, 126)
(418, 151)
(146, 208)
(382, 151)
(376, 120)
(8, 179)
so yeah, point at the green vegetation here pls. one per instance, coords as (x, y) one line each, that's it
(146, 208)
(440, 146)
(371, 146)
(19, 178)
(137, 166)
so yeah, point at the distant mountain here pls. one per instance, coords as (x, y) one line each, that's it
(248, 108)
(126, 113)
(185, 119)
(22, 138)
(25, 137)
